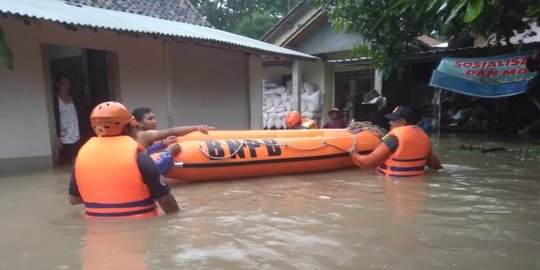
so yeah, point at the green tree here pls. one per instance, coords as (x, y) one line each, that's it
(5, 52)
(245, 17)
(255, 24)
(390, 27)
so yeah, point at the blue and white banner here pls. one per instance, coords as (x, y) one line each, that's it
(489, 77)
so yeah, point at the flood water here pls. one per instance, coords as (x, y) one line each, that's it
(481, 212)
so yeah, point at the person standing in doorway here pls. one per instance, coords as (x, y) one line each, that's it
(67, 121)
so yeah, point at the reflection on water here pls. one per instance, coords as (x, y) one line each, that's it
(480, 212)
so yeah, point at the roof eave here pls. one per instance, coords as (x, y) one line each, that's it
(221, 43)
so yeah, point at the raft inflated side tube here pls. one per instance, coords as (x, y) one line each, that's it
(254, 134)
(219, 159)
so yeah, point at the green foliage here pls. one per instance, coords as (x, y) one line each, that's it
(255, 24)
(391, 26)
(388, 26)
(5, 52)
(474, 8)
(236, 15)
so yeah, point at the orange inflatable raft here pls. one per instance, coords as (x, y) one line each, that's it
(250, 153)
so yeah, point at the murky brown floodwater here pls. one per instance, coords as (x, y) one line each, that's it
(481, 212)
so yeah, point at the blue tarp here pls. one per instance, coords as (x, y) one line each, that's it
(489, 77)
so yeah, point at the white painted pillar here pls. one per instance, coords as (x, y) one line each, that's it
(168, 83)
(329, 87)
(297, 85)
(378, 81)
(255, 84)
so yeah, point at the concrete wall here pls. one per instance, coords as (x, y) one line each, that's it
(23, 117)
(274, 73)
(326, 40)
(255, 91)
(209, 86)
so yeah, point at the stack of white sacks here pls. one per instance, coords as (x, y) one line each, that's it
(278, 101)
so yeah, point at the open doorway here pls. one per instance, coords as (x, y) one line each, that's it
(350, 86)
(81, 79)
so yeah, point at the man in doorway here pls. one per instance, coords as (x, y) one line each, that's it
(113, 175)
(404, 151)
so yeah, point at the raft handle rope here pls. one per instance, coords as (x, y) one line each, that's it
(356, 127)
(245, 143)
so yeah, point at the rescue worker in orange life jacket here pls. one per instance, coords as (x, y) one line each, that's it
(113, 175)
(293, 120)
(404, 151)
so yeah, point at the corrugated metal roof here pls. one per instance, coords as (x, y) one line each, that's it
(172, 10)
(86, 16)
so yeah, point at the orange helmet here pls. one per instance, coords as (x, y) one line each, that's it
(292, 118)
(109, 118)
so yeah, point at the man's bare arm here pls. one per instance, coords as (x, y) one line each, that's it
(433, 161)
(373, 159)
(168, 203)
(148, 137)
(75, 200)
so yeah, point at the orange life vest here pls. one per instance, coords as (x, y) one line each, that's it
(410, 158)
(109, 179)
(307, 123)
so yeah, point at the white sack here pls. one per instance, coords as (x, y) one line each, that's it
(269, 92)
(280, 108)
(278, 123)
(270, 123)
(314, 107)
(280, 90)
(268, 102)
(284, 97)
(270, 84)
(310, 88)
(288, 105)
(315, 97)
(271, 110)
(276, 100)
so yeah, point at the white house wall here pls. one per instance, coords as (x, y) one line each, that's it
(326, 40)
(274, 73)
(23, 117)
(209, 86)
